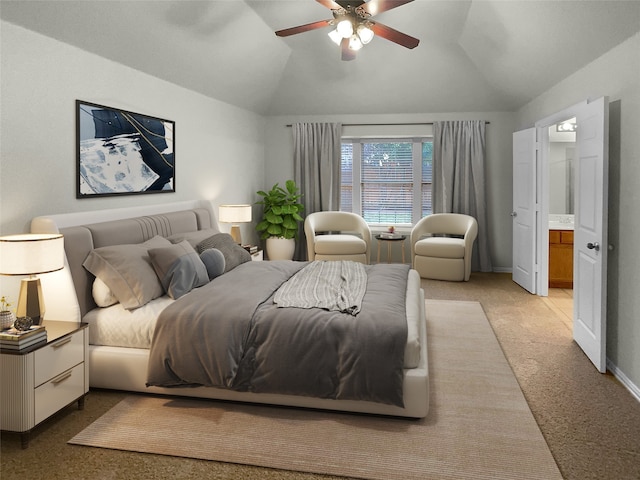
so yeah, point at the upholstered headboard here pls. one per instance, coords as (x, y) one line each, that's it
(75, 282)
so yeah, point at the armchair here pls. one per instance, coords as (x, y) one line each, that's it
(442, 246)
(351, 242)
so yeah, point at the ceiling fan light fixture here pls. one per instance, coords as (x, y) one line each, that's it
(365, 33)
(355, 43)
(335, 37)
(345, 28)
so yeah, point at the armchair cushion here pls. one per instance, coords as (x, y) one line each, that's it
(440, 247)
(339, 245)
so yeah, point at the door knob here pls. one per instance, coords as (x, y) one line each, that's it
(514, 214)
(593, 246)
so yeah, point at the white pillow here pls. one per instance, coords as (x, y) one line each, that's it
(102, 295)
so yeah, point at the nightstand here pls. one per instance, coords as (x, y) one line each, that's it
(39, 381)
(258, 256)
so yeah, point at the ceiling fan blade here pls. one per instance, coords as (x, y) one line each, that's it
(394, 35)
(330, 4)
(303, 28)
(374, 7)
(347, 53)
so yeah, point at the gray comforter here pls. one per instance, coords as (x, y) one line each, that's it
(230, 334)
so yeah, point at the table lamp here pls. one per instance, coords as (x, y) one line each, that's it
(235, 214)
(31, 254)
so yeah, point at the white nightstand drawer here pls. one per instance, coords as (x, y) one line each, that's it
(58, 357)
(59, 392)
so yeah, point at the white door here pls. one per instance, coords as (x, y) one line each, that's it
(590, 231)
(524, 209)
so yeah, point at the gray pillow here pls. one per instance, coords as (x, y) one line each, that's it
(213, 259)
(127, 271)
(194, 238)
(179, 268)
(233, 253)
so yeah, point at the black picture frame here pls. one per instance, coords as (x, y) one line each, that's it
(122, 153)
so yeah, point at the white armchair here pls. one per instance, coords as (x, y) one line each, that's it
(442, 246)
(349, 237)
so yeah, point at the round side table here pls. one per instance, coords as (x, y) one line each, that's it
(389, 238)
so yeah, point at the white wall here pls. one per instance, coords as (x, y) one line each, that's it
(616, 75)
(219, 147)
(279, 160)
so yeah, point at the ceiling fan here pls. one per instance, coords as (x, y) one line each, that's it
(353, 25)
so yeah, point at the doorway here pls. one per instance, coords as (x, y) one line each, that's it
(531, 218)
(561, 160)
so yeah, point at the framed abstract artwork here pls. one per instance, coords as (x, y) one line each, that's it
(123, 153)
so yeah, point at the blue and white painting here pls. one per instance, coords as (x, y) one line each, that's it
(121, 152)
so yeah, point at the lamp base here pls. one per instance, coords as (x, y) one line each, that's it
(30, 300)
(235, 234)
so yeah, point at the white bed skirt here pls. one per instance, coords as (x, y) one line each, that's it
(126, 369)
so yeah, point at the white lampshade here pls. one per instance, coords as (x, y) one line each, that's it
(31, 253)
(345, 28)
(355, 43)
(365, 33)
(335, 37)
(234, 213)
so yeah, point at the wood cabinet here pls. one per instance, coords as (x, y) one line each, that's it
(37, 382)
(561, 258)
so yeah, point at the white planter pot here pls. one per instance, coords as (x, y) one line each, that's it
(279, 248)
(6, 319)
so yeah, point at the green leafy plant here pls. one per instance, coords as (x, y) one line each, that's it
(4, 304)
(281, 211)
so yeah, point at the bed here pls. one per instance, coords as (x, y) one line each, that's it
(121, 339)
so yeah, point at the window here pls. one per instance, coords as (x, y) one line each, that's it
(388, 182)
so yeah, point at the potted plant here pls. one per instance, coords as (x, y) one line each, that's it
(280, 220)
(6, 316)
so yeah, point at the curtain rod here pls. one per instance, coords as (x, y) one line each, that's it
(385, 124)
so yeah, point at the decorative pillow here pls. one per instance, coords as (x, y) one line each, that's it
(179, 268)
(127, 271)
(102, 295)
(233, 253)
(194, 238)
(213, 259)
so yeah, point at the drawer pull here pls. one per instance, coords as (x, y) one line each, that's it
(62, 342)
(61, 378)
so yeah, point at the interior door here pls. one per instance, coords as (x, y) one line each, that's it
(590, 231)
(524, 209)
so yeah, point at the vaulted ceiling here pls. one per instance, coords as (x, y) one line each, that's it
(474, 55)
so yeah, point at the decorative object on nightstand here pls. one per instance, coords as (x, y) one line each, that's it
(31, 254)
(18, 339)
(23, 323)
(7, 317)
(235, 214)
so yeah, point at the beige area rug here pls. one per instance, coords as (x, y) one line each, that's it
(479, 425)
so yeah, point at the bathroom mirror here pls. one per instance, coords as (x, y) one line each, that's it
(562, 151)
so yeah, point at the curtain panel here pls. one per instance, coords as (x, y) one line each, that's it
(459, 179)
(317, 157)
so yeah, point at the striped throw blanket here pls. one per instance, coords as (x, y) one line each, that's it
(330, 285)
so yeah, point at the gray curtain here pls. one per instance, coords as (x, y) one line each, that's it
(316, 156)
(459, 180)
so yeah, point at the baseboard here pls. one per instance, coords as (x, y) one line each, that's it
(502, 269)
(629, 385)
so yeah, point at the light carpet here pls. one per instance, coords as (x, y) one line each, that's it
(479, 425)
